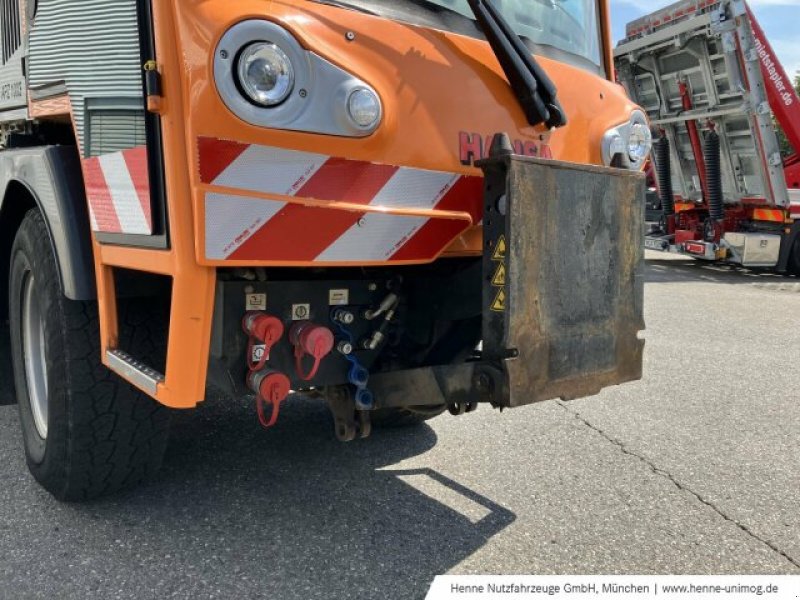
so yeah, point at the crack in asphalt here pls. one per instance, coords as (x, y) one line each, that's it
(667, 475)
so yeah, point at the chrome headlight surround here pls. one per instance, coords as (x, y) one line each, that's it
(628, 145)
(319, 100)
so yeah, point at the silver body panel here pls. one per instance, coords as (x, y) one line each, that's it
(754, 249)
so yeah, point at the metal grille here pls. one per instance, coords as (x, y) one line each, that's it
(115, 130)
(11, 35)
(90, 45)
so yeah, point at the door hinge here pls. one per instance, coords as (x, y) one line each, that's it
(153, 87)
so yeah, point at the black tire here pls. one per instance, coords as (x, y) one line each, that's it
(102, 435)
(410, 416)
(794, 257)
(7, 395)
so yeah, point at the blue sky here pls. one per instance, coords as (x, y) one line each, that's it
(779, 18)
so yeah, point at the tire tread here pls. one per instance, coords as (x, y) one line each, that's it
(116, 435)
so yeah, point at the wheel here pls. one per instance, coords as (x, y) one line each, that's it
(7, 395)
(405, 417)
(86, 432)
(794, 257)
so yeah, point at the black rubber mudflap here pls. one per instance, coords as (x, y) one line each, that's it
(563, 279)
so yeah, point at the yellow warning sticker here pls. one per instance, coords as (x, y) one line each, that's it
(499, 304)
(499, 278)
(501, 249)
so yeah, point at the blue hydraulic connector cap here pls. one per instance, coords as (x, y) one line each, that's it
(358, 376)
(364, 399)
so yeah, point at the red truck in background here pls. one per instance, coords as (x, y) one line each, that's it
(714, 90)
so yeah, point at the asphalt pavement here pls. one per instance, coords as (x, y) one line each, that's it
(695, 470)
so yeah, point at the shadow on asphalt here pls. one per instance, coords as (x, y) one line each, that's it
(297, 511)
(675, 270)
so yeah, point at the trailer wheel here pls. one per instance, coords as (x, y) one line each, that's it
(86, 432)
(405, 417)
(794, 257)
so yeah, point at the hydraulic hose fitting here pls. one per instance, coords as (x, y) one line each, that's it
(387, 304)
(272, 388)
(343, 316)
(261, 329)
(310, 339)
(375, 340)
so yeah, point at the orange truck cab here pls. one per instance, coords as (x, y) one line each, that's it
(403, 206)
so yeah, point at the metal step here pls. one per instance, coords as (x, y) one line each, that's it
(138, 373)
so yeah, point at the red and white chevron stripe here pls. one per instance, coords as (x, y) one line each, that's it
(118, 190)
(240, 228)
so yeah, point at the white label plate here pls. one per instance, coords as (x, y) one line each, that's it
(339, 297)
(256, 302)
(301, 312)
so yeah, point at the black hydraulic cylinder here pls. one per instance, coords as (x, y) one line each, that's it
(664, 174)
(713, 158)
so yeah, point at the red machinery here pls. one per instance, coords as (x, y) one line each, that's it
(711, 84)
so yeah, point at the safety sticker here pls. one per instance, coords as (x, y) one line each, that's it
(499, 278)
(500, 275)
(501, 249)
(256, 302)
(301, 312)
(339, 297)
(499, 304)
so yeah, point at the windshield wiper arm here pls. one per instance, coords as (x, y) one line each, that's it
(535, 91)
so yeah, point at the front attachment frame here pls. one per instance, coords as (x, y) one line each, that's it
(563, 280)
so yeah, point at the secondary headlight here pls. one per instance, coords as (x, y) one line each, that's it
(629, 144)
(640, 142)
(266, 74)
(364, 108)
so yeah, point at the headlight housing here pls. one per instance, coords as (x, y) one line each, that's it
(268, 79)
(265, 73)
(628, 145)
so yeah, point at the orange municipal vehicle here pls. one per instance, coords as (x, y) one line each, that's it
(402, 207)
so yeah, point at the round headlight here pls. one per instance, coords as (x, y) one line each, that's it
(364, 108)
(640, 142)
(266, 74)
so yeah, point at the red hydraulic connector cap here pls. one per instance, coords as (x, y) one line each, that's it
(315, 340)
(271, 387)
(261, 328)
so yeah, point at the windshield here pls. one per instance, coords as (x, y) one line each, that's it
(564, 30)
